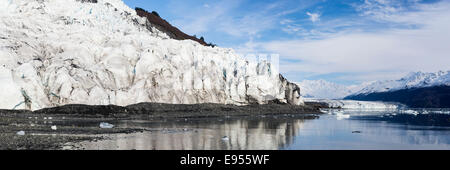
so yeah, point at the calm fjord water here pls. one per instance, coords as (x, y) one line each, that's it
(423, 129)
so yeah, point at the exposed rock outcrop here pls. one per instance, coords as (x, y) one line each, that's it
(164, 26)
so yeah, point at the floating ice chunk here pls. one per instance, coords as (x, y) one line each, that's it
(21, 133)
(54, 128)
(341, 116)
(225, 138)
(67, 147)
(106, 125)
(414, 112)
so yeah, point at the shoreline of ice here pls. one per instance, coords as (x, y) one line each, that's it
(356, 105)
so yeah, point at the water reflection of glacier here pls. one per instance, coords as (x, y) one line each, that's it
(243, 134)
(359, 130)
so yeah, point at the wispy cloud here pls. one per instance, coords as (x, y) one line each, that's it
(387, 53)
(225, 16)
(199, 19)
(314, 17)
(351, 40)
(229, 17)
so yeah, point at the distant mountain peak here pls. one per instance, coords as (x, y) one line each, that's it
(411, 80)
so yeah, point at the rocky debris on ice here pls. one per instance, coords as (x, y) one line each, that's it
(68, 52)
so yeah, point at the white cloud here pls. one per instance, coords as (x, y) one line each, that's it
(249, 25)
(314, 17)
(226, 16)
(286, 21)
(200, 19)
(388, 53)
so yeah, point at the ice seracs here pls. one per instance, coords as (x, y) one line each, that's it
(68, 52)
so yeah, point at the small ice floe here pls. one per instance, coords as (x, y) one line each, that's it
(413, 112)
(67, 147)
(341, 116)
(225, 138)
(105, 125)
(54, 128)
(50, 118)
(21, 133)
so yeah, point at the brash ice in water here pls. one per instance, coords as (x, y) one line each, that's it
(339, 129)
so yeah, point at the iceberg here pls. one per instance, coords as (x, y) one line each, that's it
(105, 125)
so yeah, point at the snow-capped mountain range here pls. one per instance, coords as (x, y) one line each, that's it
(55, 52)
(322, 89)
(412, 80)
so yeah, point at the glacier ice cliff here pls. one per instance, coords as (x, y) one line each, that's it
(55, 52)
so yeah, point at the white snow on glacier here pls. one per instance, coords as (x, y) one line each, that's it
(55, 52)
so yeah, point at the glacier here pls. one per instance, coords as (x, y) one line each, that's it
(358, 105)
(55, 52)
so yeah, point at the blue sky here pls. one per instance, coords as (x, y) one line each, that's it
(343, 41)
